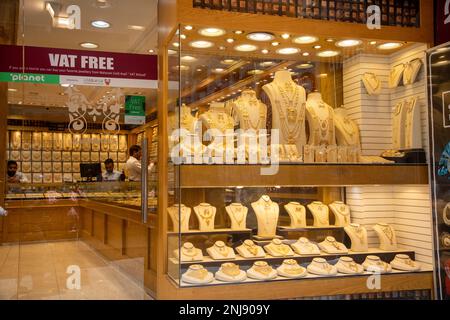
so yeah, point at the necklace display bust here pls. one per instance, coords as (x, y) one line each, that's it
(288, 108)
(341, 213)
(220, 251)
(188, 253)
(217, 118)
(197, 274)
(238, 215)
(405, 263)
(413, 131)
(206, 214)
(305, 247)
(230, 272)
(386, 234)
(321, 267)
(372, 83)
(347, 265)
(321, 121)
(320, 213)
(396, 75)
(347, 130)
(291, 269)
(251, 113)
(358, 237)
(261, 270)
(398, 123)
(375, 264)
(250, 250)
(267, 213)
(179, 214)
(297, 213)
(330, 245)
(411, 71)
(278, 249)
(187, 120)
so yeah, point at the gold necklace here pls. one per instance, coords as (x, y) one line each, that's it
(325, 127)
(335, 244)
(348, 127)
(231, 269)
(236, 210)
(281, 248)
(246, 114)
(359, 232)
(264, 269)
(192, 252)
(199, 274)
(206, 215)
(388, 233)
(292, 267)
(251, 248)
(322, 220)
(223, 251)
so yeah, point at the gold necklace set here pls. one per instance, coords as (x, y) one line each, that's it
(219, 120)
(325, 129)
(251, 248)
(224, 251)
(263, 268)
(189, 252)
(359, 232)
(231, 269)
(206, 215)
(371, 82)
(322, 220)
(388, 233)
(281, 248)
(246, 114)
(198, 272)
(291, 267)
(236, 211)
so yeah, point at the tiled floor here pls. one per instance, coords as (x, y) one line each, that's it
(39, 271)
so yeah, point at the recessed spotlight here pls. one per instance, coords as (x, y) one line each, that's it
(188, 27)
(264, 51)
(218, 70)
(305, 66)
(199, 70)
(390, 45)
(201, 44)
(188, 59)
(266, 63)
(285, 36)
(372, 43)
(305, 54)
(89, 45)
(328, 54)
(260, 36)
(230, 40)
(101, 24)
(176, 44)
(239, 32)
(275, 43)
(305, 39)
(348, 43)
(255, 71)
(330, 40)
(222, 48)
(12, 90)
(323, 75)
(246, 47)
(183, 36)
(288, 50)
(137, 28)
(317, 47)
(227, 61)
(211, 32)
(151, 51)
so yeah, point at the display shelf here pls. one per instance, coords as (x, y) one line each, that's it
(215, 231)
(308, 228)
(216, 176)
(357, 256)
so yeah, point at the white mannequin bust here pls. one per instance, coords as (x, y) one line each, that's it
(197, 274)
(330, 245)
(179, 214)
(230, 272)
(187, 120)
(217, 118)
(238, 215)
(374, 263)
(341, 213)
(398, 123)
(291, 269)
(250, 250)
(321, 267)
(220, 251)
(405, 263)
(305, 247)
(250, 112)
(347, 130)
(267, 213)
(288, 108)
(188, 253)
(278, 249)
(358, 237)
(206, 214)
(261, 270)
(320, 213)
(347, 265)
(321, 121)
(386, 234)
(297, 213)
(413, 127)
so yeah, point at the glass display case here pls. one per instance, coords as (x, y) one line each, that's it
(295, 156)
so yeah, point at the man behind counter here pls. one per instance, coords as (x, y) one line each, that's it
(13, 175)
(110, 174)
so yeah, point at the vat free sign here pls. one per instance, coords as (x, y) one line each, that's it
(134, 109)
(77, 67)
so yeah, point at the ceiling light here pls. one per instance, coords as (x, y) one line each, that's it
(266, 63)
(305, 54)
(239, 32)
(330, 40)
(285, 36)
(176, 44)
(199, 70)
(288, 50)
(255, 71)
(348, 43)
(222, 48)
(188, 59)
(305, 66)
(390, 45)
(245, 47)
(317, 47)
(100, 24)
(211, 32)
(328, 54)
(323, 75)
(230, 40)
(201, 44)
(275, 43)
(181, 68)
(227, 61)
(218, 70)
(151, 51)
(12, 90)
(188, 27)
(264, 51)
(260, 36)
(372, 43)
(171, 52)
(183, 36)
(305, 39)
(89, 45)
(137, 28)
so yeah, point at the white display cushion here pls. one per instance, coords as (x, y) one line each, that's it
(230, 272)
(291, 269)
(347, 265)
(220, 251)
(188, 253)
(197, 274)
(278, 249)
(405, 263)
(375, 264)
(250, 250)
(261, 271)
(330, 245)
(305, 247)
(321, 267)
